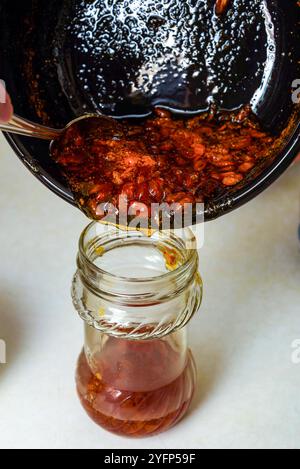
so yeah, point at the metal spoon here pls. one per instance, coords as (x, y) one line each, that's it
(19, 125)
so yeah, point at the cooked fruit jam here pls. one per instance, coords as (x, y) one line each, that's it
(160, 159)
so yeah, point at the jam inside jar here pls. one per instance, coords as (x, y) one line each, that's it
(132, 404)
(136, 375)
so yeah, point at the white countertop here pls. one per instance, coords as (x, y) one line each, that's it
(249, 387)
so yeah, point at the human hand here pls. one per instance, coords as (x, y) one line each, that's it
(6, 108)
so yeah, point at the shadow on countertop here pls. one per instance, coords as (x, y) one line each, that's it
(11, 330)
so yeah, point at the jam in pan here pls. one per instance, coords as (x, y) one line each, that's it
(162, 159)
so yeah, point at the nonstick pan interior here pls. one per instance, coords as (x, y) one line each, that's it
(61, 59)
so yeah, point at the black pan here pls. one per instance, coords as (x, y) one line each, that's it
(61, 59)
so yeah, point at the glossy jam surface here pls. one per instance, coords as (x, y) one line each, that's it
(138, 389)
(162, 159)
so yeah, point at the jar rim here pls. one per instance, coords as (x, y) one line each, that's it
(190, 259)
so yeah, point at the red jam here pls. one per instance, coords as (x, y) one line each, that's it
(162, 159)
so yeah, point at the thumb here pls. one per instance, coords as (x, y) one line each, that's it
(6, 108)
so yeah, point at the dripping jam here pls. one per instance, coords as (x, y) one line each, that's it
(162, 159)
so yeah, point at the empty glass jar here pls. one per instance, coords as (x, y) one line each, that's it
(136, 292)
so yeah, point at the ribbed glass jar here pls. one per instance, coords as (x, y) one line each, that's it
(135, 292)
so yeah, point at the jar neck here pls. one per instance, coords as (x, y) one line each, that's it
(129, 283)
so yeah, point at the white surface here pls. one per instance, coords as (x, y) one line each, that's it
(248, 386)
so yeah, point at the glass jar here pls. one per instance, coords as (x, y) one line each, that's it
(135, 292)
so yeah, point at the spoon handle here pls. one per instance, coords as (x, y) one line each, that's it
(19, 125)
